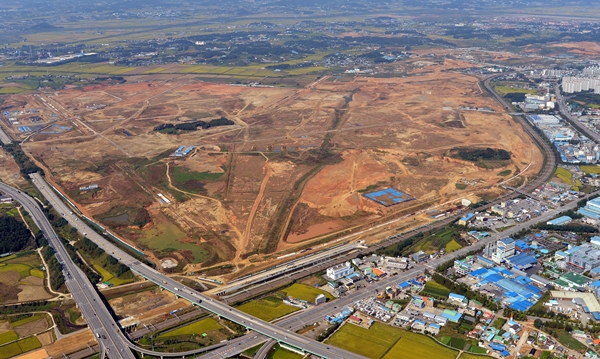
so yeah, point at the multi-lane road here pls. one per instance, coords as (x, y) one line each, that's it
(87, 298)
(562, 107)
(221, 309)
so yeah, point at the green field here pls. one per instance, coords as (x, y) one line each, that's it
(37, 273)
(503, 90)
(435, 289)
(33, 318)
(10, 350)
(199, 327)
(23, 269)
(109, 277)
(564, 175)
(590, 169)
(267, 309)
(8, 337)
(504, 173)
(305, 292)
(281, 353)
(372, 343)
(452, 246)
(499, 323)
(418, 346)
(434, 242)
(166, 237)
(29, 344)
(568, 341)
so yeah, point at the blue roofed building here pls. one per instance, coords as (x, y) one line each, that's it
(560, 221)
(452, 315)
(469, 217)
(522, 261)
(591, 209)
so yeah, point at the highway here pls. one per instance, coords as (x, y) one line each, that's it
(4, 138)
(562, 107)
(222, 310)
(97, 316)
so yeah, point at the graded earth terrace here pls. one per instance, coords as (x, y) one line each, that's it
(296, 166)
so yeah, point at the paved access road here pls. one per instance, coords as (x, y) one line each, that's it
(562, 107)
(214, 306)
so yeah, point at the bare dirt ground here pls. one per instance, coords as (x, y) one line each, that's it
(9, 170)
(31, 289)
(36, 354)
(296, 162)
(28, 329)
(46, 338)
(579, 48)
(146, 305)
(71, 343)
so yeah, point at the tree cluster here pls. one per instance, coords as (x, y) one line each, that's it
(477, 154)
(25, 163)
(193, 126)
(568, 228)
(57, 280)
(15, 236)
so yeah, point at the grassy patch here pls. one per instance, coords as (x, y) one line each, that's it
(418, 346)
(435, 289)
(568, 341)
(504, 173)
(372, 343)
(8, 337)
(499, 323)
(166, 237)
(461, 186)
(305, 292)
(503, 90)
(281, 353)
(452, 246)
(29, 344)
(563, 175)
(182, 175)
(199, 327)
(267, 309)
(33, 318)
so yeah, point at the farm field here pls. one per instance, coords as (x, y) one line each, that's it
(435, 289)
(418, 346)
(21, 278)
(19, 336)
(286, 173)
(590, 169)
(267, 309)
(564, 175)
(305, 292)
(452, 246)
(372, 343)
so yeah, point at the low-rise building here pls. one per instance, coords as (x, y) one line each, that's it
(341, 270)
(321, 298)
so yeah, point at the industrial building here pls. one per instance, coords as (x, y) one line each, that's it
(515, 291)
(572, 281)
(339, 271)
(560, 221)
(585, 256)
(591, 209)
(505, 248)
(466, 219)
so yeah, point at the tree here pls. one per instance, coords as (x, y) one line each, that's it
(538, 323)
